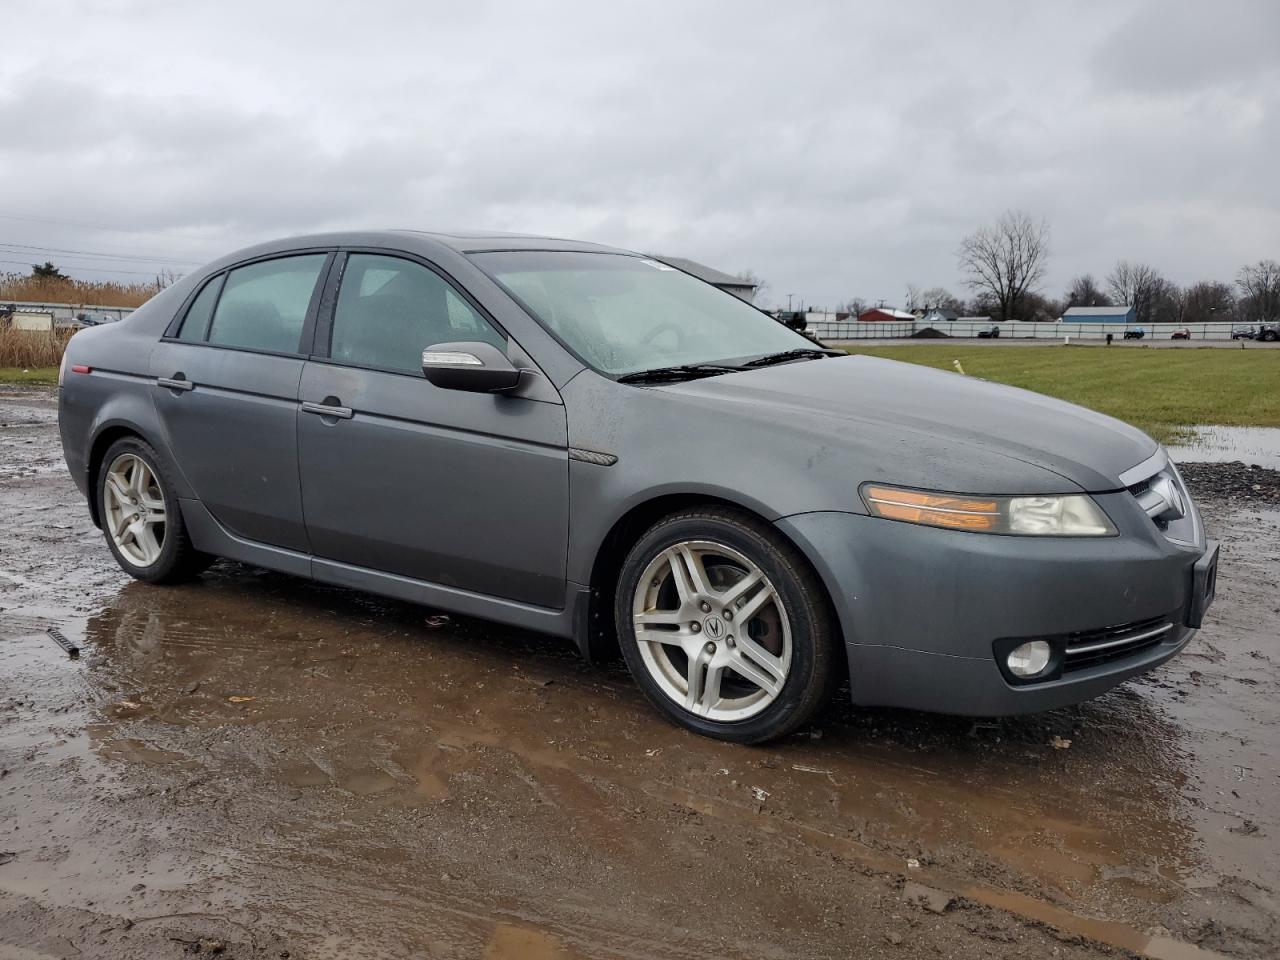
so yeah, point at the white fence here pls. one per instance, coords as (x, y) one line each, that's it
(857, 330)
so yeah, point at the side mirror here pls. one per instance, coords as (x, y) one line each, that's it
(474, 367)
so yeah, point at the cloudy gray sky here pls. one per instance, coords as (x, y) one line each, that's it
(837, 149)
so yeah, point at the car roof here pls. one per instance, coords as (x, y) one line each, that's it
(476, 241)
(460, 241)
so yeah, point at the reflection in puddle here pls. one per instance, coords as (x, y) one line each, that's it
(378, 707)
(510, 942)
(1210, 444)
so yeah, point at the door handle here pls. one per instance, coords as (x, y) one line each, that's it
(327, 410)
(176, 382)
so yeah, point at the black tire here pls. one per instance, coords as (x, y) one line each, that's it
(1271, 337)
(179, 560)
(809, 681)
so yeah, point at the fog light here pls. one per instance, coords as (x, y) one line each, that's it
(1030, 658)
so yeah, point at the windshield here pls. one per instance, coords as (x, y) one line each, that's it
(623, 314)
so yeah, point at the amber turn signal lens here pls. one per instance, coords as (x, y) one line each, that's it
(934, 509)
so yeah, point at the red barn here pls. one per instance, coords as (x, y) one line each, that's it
(885, 315)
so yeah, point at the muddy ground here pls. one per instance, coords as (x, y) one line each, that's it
(256, 766)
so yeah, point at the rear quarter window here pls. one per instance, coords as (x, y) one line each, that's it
(196, 323)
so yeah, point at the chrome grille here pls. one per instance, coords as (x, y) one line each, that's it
(1162, 495)
(1087, 648)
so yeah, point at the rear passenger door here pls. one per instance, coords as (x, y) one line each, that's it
(464, 490)
(227, 392)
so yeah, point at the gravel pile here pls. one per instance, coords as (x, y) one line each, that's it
(1232, 481)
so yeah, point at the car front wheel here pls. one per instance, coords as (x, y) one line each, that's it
(724, 626)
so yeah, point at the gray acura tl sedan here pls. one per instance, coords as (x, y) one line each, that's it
(586, 442)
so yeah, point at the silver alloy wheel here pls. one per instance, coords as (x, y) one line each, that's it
(712, 630)
(134, 510)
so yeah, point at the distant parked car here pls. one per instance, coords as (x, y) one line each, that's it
(91, 318)
(795, 319)
(1135, 333)
(1269, 332)
(989, 333)
(1243, 333)
(1182, 334)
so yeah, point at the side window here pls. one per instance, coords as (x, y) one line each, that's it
(263, 305)
(196, 322)
(389, 310)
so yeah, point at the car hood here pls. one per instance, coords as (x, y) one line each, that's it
(934, 408)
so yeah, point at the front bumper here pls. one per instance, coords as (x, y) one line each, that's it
(922, 608)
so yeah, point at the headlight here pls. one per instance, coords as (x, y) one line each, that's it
(1071, 515)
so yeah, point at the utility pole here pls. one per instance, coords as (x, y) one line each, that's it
(789, 296)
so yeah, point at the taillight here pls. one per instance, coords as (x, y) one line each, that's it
(81, 368)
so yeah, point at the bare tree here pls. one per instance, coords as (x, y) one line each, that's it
(1168, 303)
(1207, 301)
(167, 278)
(750, 276)
(1006, 259)
(1085, 292)
(855, 306)
(1259, 285)
(939, 298)
(1137, 285)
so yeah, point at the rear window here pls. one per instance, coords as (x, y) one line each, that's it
(263, 305)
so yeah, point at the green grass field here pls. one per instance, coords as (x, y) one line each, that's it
(1160, 391)
(38, 375)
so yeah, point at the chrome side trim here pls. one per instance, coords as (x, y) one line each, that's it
(1123, 641)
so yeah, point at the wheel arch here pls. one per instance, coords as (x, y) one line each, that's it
(106, 434)
(103, 436)
(600, 640)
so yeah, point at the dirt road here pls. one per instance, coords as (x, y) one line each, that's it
(256, 766)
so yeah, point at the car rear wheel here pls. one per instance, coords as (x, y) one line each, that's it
(724, 626)
(140, 516)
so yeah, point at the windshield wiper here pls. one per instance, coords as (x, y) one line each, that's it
(685, 371)
(803, 353)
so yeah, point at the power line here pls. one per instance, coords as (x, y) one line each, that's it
(91, 269)
(193, 238)
(91, 254)
(97, 254)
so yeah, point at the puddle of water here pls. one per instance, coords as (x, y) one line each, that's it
(1210, 444)
(511, 942)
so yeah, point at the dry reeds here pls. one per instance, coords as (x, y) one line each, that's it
(17, 287)
(28, 349)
